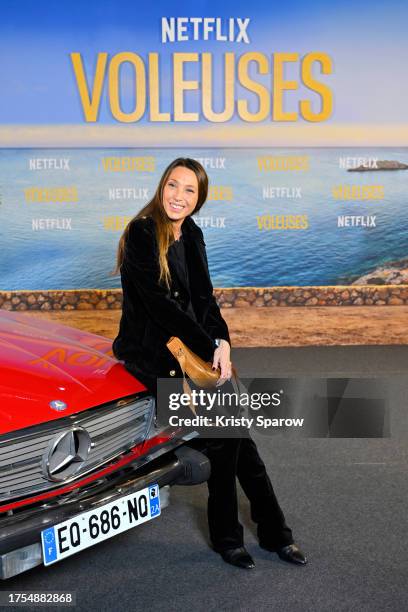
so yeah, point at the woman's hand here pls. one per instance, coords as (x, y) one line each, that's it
(222, 359)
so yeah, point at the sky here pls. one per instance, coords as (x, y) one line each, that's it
(366, 41)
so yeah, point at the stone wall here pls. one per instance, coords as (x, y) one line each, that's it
(95, 299)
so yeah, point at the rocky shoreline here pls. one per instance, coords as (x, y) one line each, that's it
(391, 273)
(383, 164)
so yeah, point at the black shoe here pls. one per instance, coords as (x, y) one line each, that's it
(290, 553)
(239, 557)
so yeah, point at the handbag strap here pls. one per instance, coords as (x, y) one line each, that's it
(181, 357)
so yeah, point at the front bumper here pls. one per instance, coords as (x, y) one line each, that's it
(20, 534)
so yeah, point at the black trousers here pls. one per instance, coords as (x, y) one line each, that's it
(233, 458)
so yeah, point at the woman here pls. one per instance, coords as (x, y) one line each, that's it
(167, 292)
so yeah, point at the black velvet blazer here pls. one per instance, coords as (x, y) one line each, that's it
(151, 314)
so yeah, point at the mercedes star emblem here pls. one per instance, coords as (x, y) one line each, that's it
(58, 405)
(66, 454)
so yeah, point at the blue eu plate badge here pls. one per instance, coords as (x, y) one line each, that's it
(49, 545)
(154, 500)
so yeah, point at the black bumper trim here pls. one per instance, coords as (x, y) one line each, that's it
(183, 466)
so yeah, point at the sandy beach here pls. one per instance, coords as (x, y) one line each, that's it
(270, 327)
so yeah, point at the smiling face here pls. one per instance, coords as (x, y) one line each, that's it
(180, 193)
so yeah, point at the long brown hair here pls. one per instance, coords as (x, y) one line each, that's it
(155, 209)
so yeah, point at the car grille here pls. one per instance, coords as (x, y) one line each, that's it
(113, 429)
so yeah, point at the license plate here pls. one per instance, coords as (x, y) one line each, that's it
(93, 526)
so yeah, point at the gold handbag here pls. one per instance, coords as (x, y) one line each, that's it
(200, 371)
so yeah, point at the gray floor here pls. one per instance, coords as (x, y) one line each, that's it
(345, 500)
(323, 361)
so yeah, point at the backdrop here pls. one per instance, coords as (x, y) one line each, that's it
(298, 114)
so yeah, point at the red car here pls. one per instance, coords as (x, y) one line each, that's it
(81, 457)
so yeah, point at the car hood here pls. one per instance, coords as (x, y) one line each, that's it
(42, 361)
